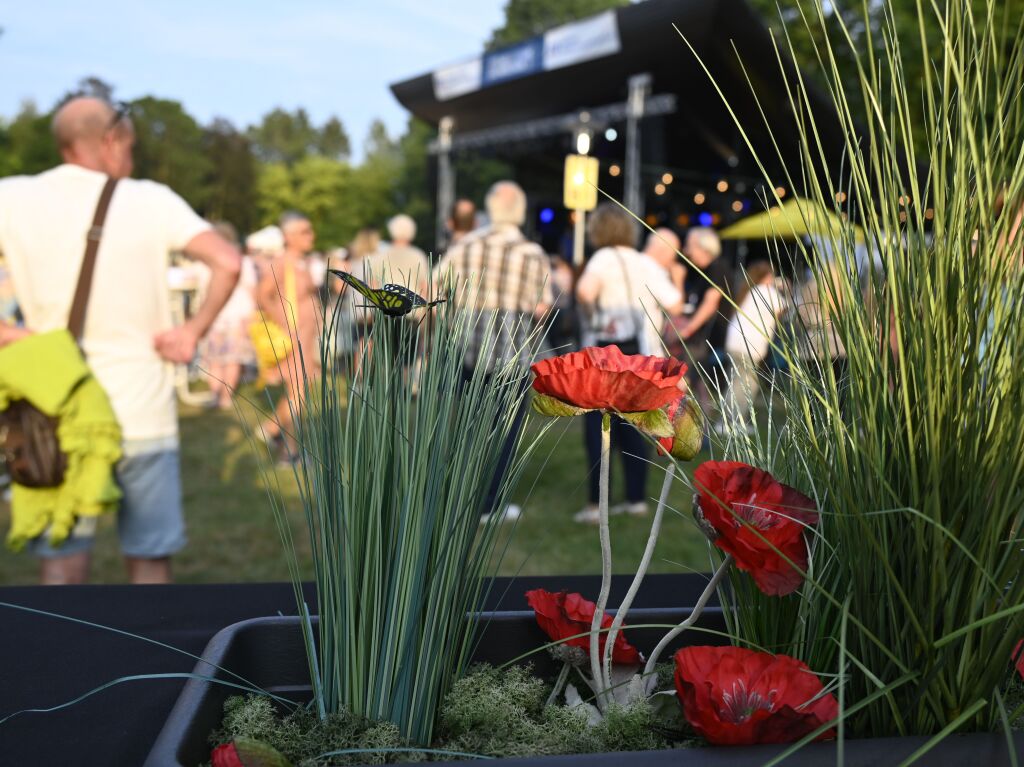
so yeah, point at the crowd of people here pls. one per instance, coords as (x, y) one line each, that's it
(257, 310)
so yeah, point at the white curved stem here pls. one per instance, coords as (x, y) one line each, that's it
(563, 675)
(641, 571)
(601, 684)
(694, 616)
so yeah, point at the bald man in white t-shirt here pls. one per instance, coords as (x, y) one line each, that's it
(128, 339)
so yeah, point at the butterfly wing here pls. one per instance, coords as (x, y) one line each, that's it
(375, 297)
(414, 299)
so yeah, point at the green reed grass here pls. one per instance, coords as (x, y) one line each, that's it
(397, 453)
(913, 451)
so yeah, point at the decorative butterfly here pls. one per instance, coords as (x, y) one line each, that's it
(393, 300)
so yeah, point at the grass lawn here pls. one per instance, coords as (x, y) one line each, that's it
(232, 536)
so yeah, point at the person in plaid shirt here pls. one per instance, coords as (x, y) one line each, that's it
(507, 284)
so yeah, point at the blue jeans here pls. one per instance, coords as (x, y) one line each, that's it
(150, 520)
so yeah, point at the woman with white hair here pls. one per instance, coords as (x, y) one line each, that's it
(402, 262)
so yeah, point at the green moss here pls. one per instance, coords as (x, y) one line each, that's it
(489, 712)
(300, 736)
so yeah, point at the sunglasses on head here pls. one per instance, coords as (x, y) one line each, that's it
(121, 110)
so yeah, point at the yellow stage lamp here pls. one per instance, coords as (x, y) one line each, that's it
(580, 182)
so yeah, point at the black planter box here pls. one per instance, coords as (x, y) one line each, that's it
(269, 653)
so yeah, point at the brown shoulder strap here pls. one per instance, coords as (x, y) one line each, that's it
(76, 319)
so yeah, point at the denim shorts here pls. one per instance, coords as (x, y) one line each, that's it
(150, 520)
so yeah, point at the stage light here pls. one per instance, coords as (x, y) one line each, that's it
(841, 197)
(904, 200)
(929, 214)
(611, 134)
(582, 142)
(659, 189)
(666, 178)
(683, 219)
(578, 179)
(722, 186)
(705, 218)
(699, 198)
(715, 219)
(547, 215)
(614, 170)
(737, 206)
(780, 191)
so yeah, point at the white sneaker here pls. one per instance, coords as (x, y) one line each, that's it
(510, 513)
(638, 509)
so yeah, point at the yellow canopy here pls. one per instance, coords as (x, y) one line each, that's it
(795, 218)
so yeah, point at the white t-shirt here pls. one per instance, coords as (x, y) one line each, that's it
(633, 288)
(43, 224)
(752, 327)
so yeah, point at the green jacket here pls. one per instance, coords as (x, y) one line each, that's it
(47, 369)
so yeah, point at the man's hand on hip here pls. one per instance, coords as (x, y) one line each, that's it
(11, 333)
(178, 344)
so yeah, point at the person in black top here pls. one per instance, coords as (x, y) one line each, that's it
(702, 292)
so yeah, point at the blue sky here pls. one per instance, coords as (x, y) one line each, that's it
(239, 59)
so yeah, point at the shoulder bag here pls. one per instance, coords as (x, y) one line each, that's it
(28, 437)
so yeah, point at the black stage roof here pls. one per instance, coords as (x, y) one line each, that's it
(516, 85)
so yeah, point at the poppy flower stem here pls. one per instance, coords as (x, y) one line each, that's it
(698, 609)
(601, 684)
(563, 675)
(641, 571)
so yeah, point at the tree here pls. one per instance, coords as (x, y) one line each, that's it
(287, 137)
(283, 137)
(93, 86)
(324, 192)
(527, 18)
(333, 140)
(275, 192)
(169, 148)
(414, 183)
(231, 180)
(30, 144)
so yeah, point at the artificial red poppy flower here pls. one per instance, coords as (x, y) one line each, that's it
(247, 752)
(603, 378)
(758, 520)
(734, 697)
(564, 615)
(687, 429)
(226, 755)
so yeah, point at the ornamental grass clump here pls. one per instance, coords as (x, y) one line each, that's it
(905, 375)
(398, 449)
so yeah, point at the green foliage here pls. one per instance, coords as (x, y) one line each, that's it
(231, 181)
(275, 191)
(286, 137)
(319, 184)
(393, 480)
(27, 143)
(300, 736)
(413, 188)
(913, 455)
(490, 712)
(526, 18)
(502, 712)
(169, 148)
